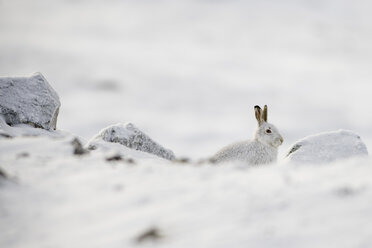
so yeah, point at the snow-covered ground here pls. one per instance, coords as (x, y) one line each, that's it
(188, 74)
(53, 198)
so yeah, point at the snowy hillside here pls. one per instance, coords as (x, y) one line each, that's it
(53, 198)
(188, 74)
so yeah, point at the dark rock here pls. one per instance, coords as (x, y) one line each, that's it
(118, 157)
(3, 175)
(5, 135)
(152, 234)
(182, 160)
(114, 158)
(78, 147)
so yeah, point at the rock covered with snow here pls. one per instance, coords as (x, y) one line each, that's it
(29, 100)
(327, 147)
(131, 137)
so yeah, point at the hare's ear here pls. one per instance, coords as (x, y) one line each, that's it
(258, 113)
(264, 113)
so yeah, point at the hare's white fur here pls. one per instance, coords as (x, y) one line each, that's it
(263, 149)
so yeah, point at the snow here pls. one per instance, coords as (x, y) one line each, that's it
(19, 130)
(53, 198)
(188, 73)
(29, 100)
(130, 136)
(327, 147)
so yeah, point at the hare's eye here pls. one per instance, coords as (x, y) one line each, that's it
(268, 131)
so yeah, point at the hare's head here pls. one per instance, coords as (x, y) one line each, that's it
(266, 133)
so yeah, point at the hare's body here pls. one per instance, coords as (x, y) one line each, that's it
(263, 149)
(250, 152)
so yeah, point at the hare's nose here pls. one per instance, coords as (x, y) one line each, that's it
(281, 140)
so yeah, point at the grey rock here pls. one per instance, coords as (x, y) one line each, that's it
(327, 147)
(29, 100)
(131, 137)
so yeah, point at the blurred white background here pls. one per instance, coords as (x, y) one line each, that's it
(188, 73)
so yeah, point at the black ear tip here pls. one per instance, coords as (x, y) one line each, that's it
(257, 107)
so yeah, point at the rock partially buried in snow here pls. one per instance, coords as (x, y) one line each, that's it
(2, 175)
(327, 147)
(131, 137)
(29, 100)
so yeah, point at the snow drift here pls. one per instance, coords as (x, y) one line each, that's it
(54, 198)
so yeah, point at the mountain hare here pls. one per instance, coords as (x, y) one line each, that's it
(262, 150)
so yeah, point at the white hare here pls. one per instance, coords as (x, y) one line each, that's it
(263, 149)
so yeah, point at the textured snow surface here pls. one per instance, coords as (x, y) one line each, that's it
(327, 147)
(29, 100)
(131, 137)
(188, 73)
(53, 198)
